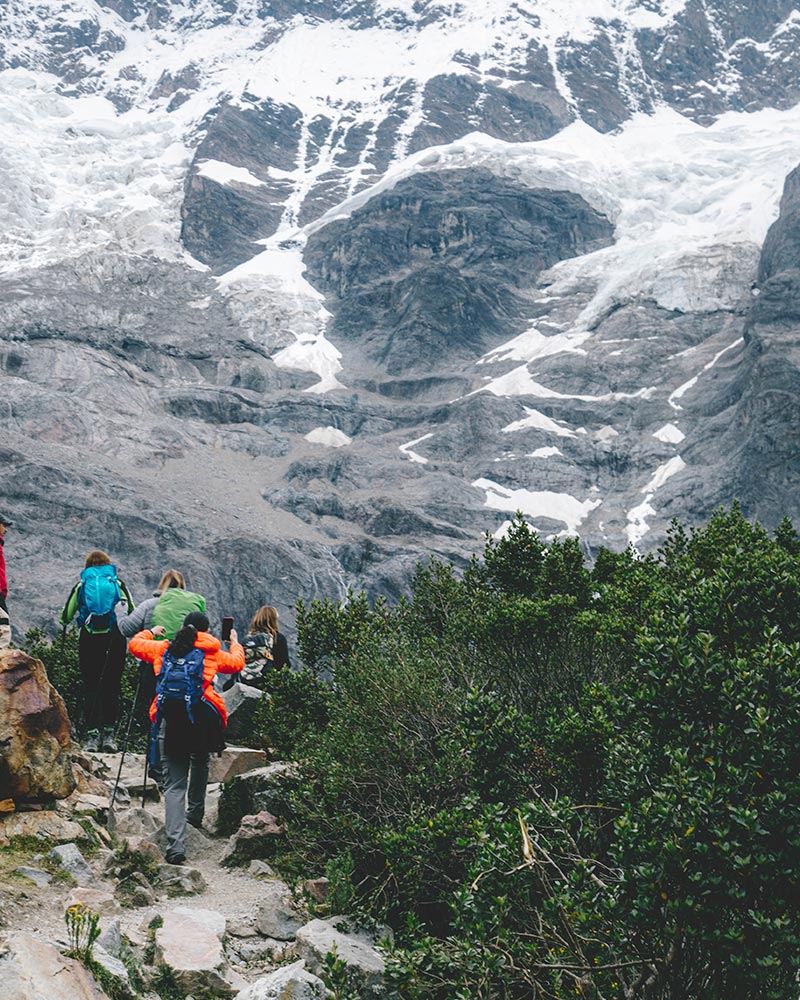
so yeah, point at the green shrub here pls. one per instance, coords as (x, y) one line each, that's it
(557, 782)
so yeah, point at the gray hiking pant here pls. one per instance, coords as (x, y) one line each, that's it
(182, 773)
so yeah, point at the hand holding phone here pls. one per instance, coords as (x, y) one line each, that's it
(227, 626)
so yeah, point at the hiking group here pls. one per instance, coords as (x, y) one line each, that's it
(170, 631)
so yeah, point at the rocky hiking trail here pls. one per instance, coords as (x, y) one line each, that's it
(222, 925)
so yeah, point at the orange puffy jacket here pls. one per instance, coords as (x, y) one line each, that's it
(215, 661)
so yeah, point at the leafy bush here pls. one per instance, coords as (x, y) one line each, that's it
(559, 782)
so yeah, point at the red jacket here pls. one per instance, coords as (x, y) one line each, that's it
(215, 660)
(3, 580)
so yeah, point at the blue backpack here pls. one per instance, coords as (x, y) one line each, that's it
(179, 685)
(99, 595)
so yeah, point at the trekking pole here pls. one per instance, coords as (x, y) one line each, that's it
(59, 664)
(127, 734)
(147, 761)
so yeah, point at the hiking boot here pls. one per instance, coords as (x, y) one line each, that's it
(176, 859)
(196, 823)
(92, 742)
(109, 743)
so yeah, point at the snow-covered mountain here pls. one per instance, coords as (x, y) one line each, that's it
(296, 292)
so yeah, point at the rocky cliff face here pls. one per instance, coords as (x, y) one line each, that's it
(295, 294)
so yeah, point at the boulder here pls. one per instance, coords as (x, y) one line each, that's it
(68, 857)
(196, 841)
(241, 701)
(35, 762)
(317, 889)
(36, 875)
(255, 837)
(111, 938)
(134, 890)
(262, 789)
(31, 969)
(260, 869)
(181, 880)
(132, 821)
(234, 761)
(188, 945)
(264, 951)
(100, 901)
(365, 965)
(47, 825)
(115, 972)
(292, 982)
(86, 781)
(276, 916)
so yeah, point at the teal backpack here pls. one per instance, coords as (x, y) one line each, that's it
(98, 596)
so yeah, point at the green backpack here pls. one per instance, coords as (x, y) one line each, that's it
(173, 606)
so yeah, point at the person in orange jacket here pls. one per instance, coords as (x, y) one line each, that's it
(188, 715)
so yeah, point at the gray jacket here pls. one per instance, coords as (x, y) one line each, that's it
(141, 617)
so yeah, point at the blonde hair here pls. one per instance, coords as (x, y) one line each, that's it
(265, 620)
(97, 558)
(172, 578)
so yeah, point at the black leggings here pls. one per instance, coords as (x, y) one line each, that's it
(102, 659)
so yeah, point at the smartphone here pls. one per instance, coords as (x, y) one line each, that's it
(227, 625)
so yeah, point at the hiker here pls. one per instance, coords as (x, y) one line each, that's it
(265, 647)
(171, 612)
(189, 716)
(142, 615)
(5, 624)
(95, 599)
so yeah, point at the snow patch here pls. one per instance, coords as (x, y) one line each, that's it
(545, 503)
(541, 422)
(226, 173)
(669, 434)
(330, 437)
(406, 449)
(637, 526)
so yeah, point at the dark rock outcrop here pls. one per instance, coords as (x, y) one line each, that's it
(430, 271)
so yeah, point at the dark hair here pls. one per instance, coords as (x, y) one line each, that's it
(184, 639)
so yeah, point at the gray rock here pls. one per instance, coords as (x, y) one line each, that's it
(31, 968)
(135, 891)
(116, 971)
(36, 875)
(68, 857)
(189, 945)
(264, 951)
(260, 869)
(257, 836)
(264, 788)
(441, 292)
(277, 917)
(197, 842)
(111, 938)
(181, 880)
(132, 822)
(235, 760)
(292, 982)
(356, 949)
